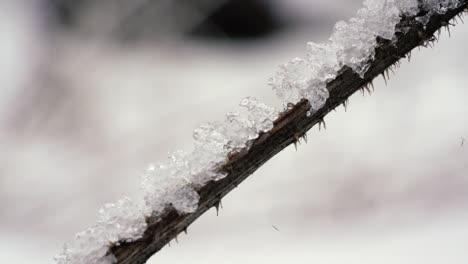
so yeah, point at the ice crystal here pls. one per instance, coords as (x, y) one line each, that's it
(175, 182)
(161, 185)
(122, 221)
(352, 44)
(261, 115)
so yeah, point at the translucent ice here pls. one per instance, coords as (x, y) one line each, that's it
(352, 44)
(174, 181)
(260, 115)
(122, 221)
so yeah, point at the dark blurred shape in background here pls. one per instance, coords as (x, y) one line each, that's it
(65, 12)
(150, 20)
(240, 19)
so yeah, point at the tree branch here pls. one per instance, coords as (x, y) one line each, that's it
(288, 128)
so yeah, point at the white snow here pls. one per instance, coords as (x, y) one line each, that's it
(174, 182)
(122, 221)
(352, 44)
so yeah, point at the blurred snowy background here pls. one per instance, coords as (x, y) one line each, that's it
(94, 91)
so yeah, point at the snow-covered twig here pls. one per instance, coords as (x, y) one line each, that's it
(357, 58)
(288, 129)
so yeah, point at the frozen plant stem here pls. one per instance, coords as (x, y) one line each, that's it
(288, 129)
(179, 190)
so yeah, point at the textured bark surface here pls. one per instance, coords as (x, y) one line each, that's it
(288, 129)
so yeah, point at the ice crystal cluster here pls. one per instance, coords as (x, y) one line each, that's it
(352, 44)
(175, 181)
(171, 183)
(122, 221)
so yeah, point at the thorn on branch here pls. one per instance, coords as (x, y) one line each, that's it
(345, 104)
(447, 25)
(218, 205)
(368, 89)
(322, 122)
(362, 90)
(296, 140)
(385, 79)
(390, 69)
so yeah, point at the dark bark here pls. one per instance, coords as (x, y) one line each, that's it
(288, 129)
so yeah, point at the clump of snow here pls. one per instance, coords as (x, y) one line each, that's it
(261, 116)
(169, 183)
(172, 182)
(122, 221)
(301, 78)
(352, 44)
(175, 181)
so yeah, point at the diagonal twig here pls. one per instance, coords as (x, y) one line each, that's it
(288, 129)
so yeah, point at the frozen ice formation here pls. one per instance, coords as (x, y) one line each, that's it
(122, 221)
(175, 181)
(171, 183)
(352, 44)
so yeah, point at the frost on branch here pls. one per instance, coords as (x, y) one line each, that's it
(174, 182)
(352, 44)
(122, 221)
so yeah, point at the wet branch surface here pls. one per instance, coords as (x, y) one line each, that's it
(289, 128)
